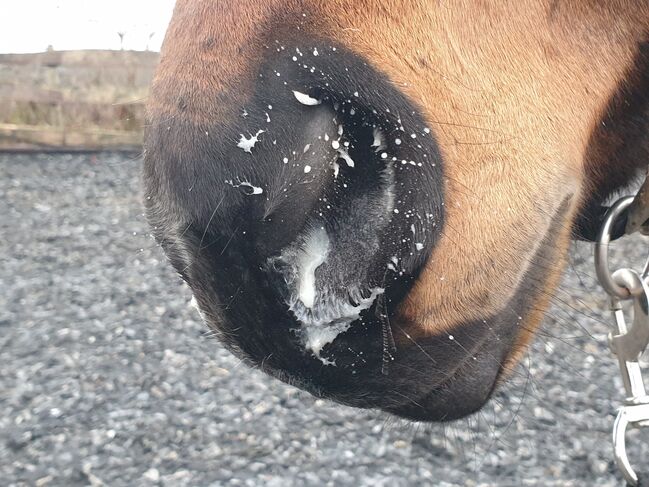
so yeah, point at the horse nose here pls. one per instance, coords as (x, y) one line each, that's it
(310, 215)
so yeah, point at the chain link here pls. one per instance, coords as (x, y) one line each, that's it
(626, 342)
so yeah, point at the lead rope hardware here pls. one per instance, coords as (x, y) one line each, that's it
(626, 342)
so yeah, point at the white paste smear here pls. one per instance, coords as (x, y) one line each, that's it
(323, 315)
(336, 318)
(312, 256)
(305, 99)
(346, 157)
(247, 144)
(378, 140)
(253, 189)
(336, 167)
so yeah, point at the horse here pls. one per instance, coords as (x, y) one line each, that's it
(374, 200)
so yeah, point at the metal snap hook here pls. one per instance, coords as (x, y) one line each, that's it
(631, 341)
(627, 342)
(635, 415)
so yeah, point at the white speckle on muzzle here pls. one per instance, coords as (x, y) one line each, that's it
(305, 99)
(248, 143)
(252, 189)
(378, 142)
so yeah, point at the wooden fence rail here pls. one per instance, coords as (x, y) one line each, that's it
(30, 137)
(74, 100)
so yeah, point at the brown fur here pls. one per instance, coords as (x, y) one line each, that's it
(514, 94)
(514, 91)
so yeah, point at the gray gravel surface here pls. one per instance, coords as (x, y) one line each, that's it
(107, 377)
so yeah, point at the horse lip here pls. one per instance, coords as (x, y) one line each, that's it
(438, 404)
(424, 406)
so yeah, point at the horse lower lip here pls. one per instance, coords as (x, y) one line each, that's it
(462, 391)
(444, 403)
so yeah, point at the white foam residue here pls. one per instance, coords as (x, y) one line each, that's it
(334, 319)
(306, 148)
(346, 157)
(315, 338)
(378, 140)
(248, 143)
(322, 310)
(253, 189)
(307, 169)
(388, 179)
(336, 169)
(312, 256)
(419, 246)
(305, 99)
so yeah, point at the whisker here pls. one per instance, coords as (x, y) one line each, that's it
(417, 344)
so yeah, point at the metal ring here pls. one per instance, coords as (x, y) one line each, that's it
(601, 250)
(629, 280)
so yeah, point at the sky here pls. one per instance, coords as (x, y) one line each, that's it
(33, 25)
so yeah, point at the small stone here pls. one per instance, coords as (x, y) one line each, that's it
(152, 474)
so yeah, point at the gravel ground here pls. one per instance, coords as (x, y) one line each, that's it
(107, 377)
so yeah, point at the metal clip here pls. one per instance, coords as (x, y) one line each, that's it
(627, 343)
(636, 415)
